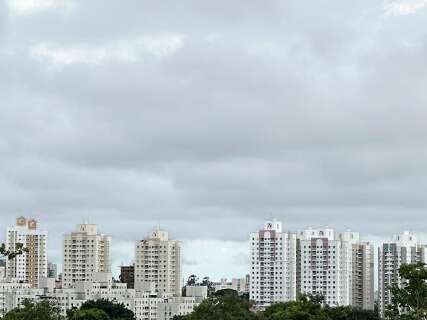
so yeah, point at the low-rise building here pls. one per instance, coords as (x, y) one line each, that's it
(145, 303)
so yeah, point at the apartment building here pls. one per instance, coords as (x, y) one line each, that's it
(273, 265)
(403, 248)
(338, 267)
(362, 276)
(127, 275)
(158, 263)
(32, 265)
(85, 252)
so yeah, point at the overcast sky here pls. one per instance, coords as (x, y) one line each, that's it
(208, 117)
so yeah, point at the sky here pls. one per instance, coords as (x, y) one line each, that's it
(209, 117)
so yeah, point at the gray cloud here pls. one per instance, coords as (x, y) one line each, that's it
(207, 119)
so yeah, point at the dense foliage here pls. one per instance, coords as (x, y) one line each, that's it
(90, 310)
(12, 254)
(409, 301)
(88, 314)
(223, 305)
(311, 308)
(114, 311)
(44, 310)
(226, 305)
(193, 280)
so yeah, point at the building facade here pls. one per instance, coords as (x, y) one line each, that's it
(273, 265)
(32, 265)
(127, 275)
(158, 263)
(2, 269)
(338, 267)
(85, 252)
(168, 308)
(240, 285)
(362, 273)
(404, 248)
(52, 270)
(146, 305)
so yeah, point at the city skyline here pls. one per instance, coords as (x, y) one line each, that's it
(339, 266)
(217, 269)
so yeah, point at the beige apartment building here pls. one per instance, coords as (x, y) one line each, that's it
(31, 266)
(158, 264)
(85, 252)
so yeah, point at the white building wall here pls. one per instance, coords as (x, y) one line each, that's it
(273, 265)
(337, 266)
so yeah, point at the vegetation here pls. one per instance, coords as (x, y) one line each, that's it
(12, 254)
(44, 310)
(193, 280)
(223, 305)
(227, 305)
(90, 310)
(308, 307)
(100, 308)
(88, 314)
(409, 301)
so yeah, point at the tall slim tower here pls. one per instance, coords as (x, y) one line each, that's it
(273, 265)
(320, 261)
(158, 263)
(358, 271)
(85, 252)
(32, 265)
(404, 248)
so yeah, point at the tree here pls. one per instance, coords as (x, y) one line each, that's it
(224, 305)
(12, 254)
(209, 284)
(409, 300)
(115, 311)
(88, 314)
(304, 308)
(44, 310)
(309, 307)
(192, 280)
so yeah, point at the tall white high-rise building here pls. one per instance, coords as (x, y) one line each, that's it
(85, 252)
(404, 248)
(158, 263)
(337, 266)
(273, 265)
(32, 265)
